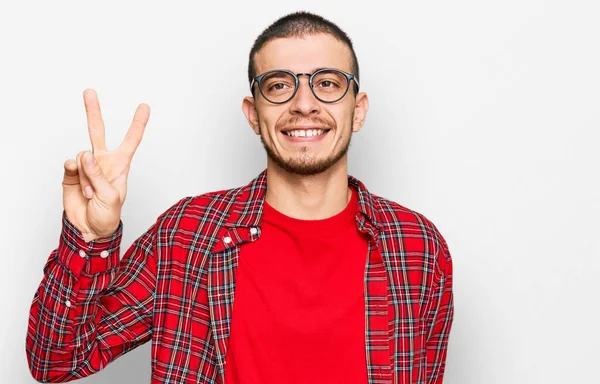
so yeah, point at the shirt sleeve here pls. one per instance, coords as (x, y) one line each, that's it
(440, 315)
(90, 307)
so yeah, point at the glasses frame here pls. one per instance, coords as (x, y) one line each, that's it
(259, 78)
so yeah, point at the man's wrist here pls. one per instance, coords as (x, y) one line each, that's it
(88, 237)
(97, 255)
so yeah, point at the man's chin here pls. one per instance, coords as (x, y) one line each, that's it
(305, 165)
(304, 168)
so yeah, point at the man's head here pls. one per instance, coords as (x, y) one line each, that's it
(304, 43)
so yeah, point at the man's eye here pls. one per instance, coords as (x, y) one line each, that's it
(277, 87)
(327, 84)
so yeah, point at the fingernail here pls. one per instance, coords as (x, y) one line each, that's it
(88, 192)
(89, 158)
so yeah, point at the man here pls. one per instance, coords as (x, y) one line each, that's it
(332, 284)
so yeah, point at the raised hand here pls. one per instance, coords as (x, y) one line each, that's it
(95, 183)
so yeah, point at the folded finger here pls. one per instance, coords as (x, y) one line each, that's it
(86, 187)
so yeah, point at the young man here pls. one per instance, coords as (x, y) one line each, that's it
(301, 276)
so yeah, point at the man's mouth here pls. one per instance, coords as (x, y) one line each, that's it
(305, 132)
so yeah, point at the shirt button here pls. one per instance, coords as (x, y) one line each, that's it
(68, 303)
(104, 254)
(227, 240)
(253, 231)
(82, 254)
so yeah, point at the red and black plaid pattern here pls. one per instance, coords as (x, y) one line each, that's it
(175, 286)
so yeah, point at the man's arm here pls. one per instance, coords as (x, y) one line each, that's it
(440, 315)
(90, 307)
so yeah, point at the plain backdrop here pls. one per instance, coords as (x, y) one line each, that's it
(483, 117)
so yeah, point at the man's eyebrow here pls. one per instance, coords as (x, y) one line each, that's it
(318, 69)
(275, 74)
(312, 71)
(278, 75)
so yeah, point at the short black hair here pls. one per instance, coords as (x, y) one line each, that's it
(300, 24)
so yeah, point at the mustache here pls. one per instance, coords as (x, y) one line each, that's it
(295, 121)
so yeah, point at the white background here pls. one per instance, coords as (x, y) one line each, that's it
(483, 116)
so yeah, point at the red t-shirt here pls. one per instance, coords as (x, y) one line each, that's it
(299, 310)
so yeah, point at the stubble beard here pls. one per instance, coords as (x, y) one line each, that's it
(304, 163)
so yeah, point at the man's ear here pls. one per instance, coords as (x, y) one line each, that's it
(249, 110)
(361, 107)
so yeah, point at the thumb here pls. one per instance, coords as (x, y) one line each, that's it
(71, 176)
(95, 175)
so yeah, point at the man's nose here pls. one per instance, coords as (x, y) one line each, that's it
(304, 102)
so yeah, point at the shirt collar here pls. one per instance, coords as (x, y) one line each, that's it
(246, 210)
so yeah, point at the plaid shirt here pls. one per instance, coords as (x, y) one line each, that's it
(175, 286)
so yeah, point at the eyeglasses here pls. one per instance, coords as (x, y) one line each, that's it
(279, 86)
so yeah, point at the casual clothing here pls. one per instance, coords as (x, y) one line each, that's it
(175, 286)
(299, 310)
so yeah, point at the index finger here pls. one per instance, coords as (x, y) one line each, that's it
(136, 130)
(94, 120)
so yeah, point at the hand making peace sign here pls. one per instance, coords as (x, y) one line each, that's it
(95, 184)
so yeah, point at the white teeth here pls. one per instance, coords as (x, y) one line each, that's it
(305, 133)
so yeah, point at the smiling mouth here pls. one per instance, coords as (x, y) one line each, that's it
(305, 132)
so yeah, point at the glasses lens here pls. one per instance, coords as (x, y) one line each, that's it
(330, 85)
(278, 86)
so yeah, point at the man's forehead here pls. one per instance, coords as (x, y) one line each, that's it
(303, 54)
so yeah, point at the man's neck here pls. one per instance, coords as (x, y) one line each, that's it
(308, 197)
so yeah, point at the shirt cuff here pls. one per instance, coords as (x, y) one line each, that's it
(97, 256)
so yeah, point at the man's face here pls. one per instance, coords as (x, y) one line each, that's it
(305, 155)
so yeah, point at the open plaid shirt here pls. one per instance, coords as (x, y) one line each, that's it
(175, 286)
